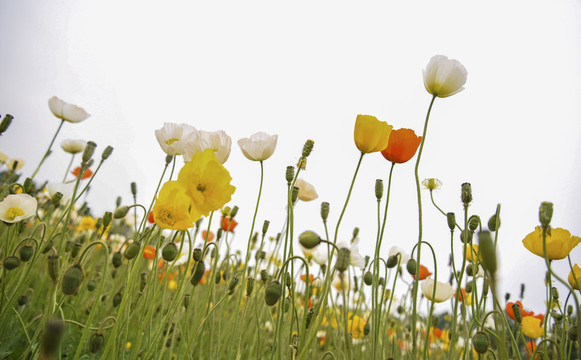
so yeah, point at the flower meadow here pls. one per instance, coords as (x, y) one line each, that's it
(79, 285)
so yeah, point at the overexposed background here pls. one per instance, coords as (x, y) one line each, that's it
(304, 70)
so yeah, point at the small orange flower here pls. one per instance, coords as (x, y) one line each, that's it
(402, 146)
(210, 235)
(424, 272)
(149, 252)
(531, 346)
(304, 277)
(87, 174)
(228, 224)
(438, 332)
(150, 218)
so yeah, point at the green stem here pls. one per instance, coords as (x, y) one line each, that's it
(47, 153)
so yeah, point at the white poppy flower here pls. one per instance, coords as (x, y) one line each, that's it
(172, 137)
(182, 257)
(3, 158)
(201, 140)
(307, 191)
(67, 112)
(444, 291)
(65, 189)
(444, 77)
(259, 146)
(14, 164)
(73, 146)
(355, 258)
(17, 207)
(321, 255)
(397, 250)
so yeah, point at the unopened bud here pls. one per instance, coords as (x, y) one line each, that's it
(555, 293)
(76, 249)
(487, 251)
(570, 310)
(232, 285)
(451, 220)
(366, 329)
(22, 300)
(200, 269)
(117, 259)
(89, 151)
(308, 147)
(466, 194)
(381, 281)
(545, 214)
(117, 299)
(324, 211)
(169, 252)
(265, 225)
(134, 188)
(264, 275)
(120, 212)
(343, 259)
(72, 279)
(249, 286)
(368, 278)
(494, 222)
(132, 250)
(106, 153)
(273, 293)
(309, 239)
(26, 253)
(197, 254)
(378, 189)
(572, 333)
(411, 267)
(466, 236)
(11, 262)
(481, 342)
(5, 123)
(53, 266)
(91, 285)
(27, 186)
(355, 232)
(391, 261)
(96, 343)
(56, 198)
(290, 174)
(107, 217)
(522, 290)
(187, 298)
(473, 222)
(294, 194)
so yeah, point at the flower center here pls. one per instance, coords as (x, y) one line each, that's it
(167, 217)
(13, 212)
(201, 188)
(171, 141)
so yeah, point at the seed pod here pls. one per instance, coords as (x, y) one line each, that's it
(290, 174)
(264, 275)
(89, 151)
(91, 285)
(466, 194)
(368, 278)
(308, 147)
(132, 250)
(11, 262)
(343, 258)
(5, 123)
(187, 298)
(96, 342)
(117, 299)
(545, 214)
(117, 259)
(273, 293)
(106, 153)
(249, 286)
(411, 267)
(481, 342)
(451, 220)
(133, 188)
(516, 310)
(309, 239)
(72, 279)
(169, 252)
(391, 261)
(232, 285)
(26, 253)
(473, 222)
(378, 189)
(53, 266)
(200, 269)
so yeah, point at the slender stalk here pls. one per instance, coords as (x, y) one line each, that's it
(47, 153)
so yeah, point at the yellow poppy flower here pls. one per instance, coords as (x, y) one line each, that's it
(371, 135)
(559, 243)
(356, 325)
(173, 209)
(575, 277)
(471, 255)
(87, 223)
(531, 327)
(207, 183)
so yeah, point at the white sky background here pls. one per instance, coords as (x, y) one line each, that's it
(304, 70)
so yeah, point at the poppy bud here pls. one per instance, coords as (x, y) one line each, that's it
(555, 293)
(53, 266)
(368, 278)
(343, 258)
(570, 310)
(473, 222)
(75, 250)
(555, 315)
(272, 293)
(96, 342)
(200, 269)
(378, 189)
(290, 174)
(481, 342)
(132, 250)
(411, 267)
(545, 214)
(218, 277)
(168, 159)
(308, 147)
(264, 275)
(286, 304)
(232, 285)
(117, 299)
(287, 279)
(366, 329)
(265, 225)
(451, 217)
(391, 261)
(487, 252)
(469, 287)
(5, 123)
(26, 252)
(400, 309)
(492, 223)
(294, 194)
(51, 337)
(91, 285)
(572, 333)
(355, 284)
(89, 151)
(466, 194)
(219, 234)
(118, 201)
(197, 254)
(516, 310)
(107, 152)
(249, 286)
(466, 236)
(309, 239)
(169, 252)
(187, 298)
(117, 259)
(310, 314)
(260, 255)
(234, 211)
(120, 212)
(72, 279)
(11, 262)
(56, 198)
(28, 185)
(143, 281)
(324, 211)
(381, 281)
(107, 217)
(506, 296)
(134, 188)
(471, 269)
(47, 246)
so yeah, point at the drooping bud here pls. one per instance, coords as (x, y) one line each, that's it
(487, 251)
(290, 174)
(381, 281)
(132, 250)
(264, 275)
(324, 211)
(343, 258)
(492, 222)
(200, 269)
(473, 222)
(466, 194)
(265, 225)
(451, 220)
(169, 252)
(249, 286)
(120, 212)
(378, 189)
(309, 239)
(391, 261)
(368, 278)
(273, 293)
(117, 259)
(96, 343)
(26, 253)
(545, 214)
(5, 123)
(75, 250)
(481, 342)
(11, 262)
(89, 151)
(28, 186)
(466, 236)
(72, 279)
(411, 267)
(107, 152)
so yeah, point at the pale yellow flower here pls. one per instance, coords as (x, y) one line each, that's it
(307, 191)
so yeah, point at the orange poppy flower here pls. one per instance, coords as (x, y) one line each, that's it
(304, 277)
(402, 146)
(149, 252)
(88, 173)
(531, 346)
(424, 272)
(510, 313)
(438, 332)
(228, 224)
(209, 235)
(150, 218)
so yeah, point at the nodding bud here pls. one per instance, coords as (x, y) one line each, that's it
(368, 278)
(233, 284)
(117, 299)
(51, 338)
(466, 236)
(132, 250)
(545, 214)
(264, 275)
(133, 188)
(107, 217)
(197, 254)
(26, 253)
(117, 259)
(494, 222)
(187, 298)
(391, 261)
(487, 251)
(343, 258)
(516, 310)
(290, 174)
(308, 147)
(72, 279)
(89, 151)
(378, 189)
(480, 342)
(249, 286)
(56, 198)
(411, 267)
(309, 239)
(169, 252)
(473, 222)
(5, 123)
(11, 262)
(53, 266)
(106, 153)
(295, 194)
(273, 293)
(265, 226)
(555, 293)
(142, 281)
(199, 270)
(120, 212)
(96, 343)
(27, 186)
(75, 250)
(324, 210)
(466, 194)
(451, 220)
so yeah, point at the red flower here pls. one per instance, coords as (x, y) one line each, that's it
(150, 218)
(402, 146)
(510, 313)
(149, 252)
(228, 224)
(424, 272)
(88, 173)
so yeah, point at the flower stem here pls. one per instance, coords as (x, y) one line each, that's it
(47, 153)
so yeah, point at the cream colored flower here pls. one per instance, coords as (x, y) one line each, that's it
(173, 137)
(394, 250)
(355, 258)
(444, 291)
(67, 112)
(444, 77)
(17, 207)
(259, 146)
(201, 140)
(432, 184)
(73, 146)
(14, 164)
(307, 191)
(65, 189)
